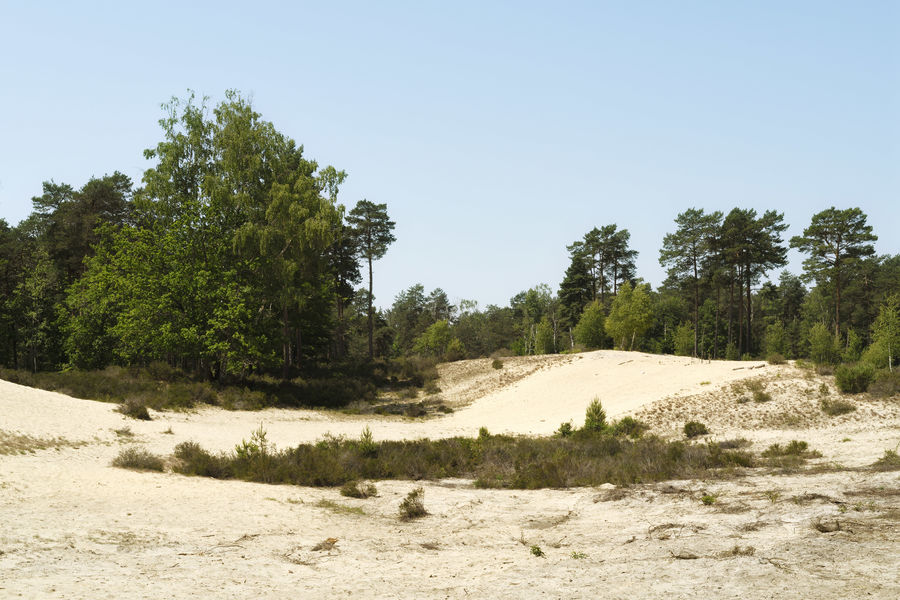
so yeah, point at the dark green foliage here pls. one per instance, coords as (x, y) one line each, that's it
(775, 359)
(497, 363)
(413, 506)
(854, 379)
(582, 459)
(565, 429)
(141, 460)
(629, 426)
(589, 331)
(694, 429)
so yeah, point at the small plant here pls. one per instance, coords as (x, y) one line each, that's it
(497, 363)
(694, 429)
(565, 429)
(169, 431)
(772, 495)
(355, 489)
(367, 445)
(124, 432)
(889, 462)
(413, 506)
(709, 499)
(761, 396)
(536, 551)
(705, 382)
(578, 555)
(836, 407)
(824, 390)
(134, 408)
(743, 400)
(483, 433)
(139, 460)
(595, 416)
(258, 446)
(854, 379)
(341, 509)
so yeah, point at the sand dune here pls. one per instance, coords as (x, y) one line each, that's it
(71, 526)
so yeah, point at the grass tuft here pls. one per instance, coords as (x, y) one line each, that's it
(139, 460)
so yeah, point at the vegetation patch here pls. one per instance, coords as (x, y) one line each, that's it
(836, 407)
(139, 460)
(413, 506)
(694, 429)
(356, 489)
(854, 379)
(18, 443)
(889, 462)
(584, 458)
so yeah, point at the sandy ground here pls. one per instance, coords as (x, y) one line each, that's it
(72, 526)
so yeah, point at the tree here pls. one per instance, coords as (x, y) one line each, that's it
(589, 331)
(886, 333)
(372, 231)
(631, 315)
(686, 250)
(835, 240)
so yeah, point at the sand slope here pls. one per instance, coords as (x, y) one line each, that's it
(71, 526)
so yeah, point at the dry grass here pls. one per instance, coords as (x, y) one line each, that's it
(17, 443)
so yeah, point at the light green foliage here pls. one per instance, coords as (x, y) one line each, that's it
(684, 340)
(774, 342)
(544, 340)
(590, 332)
(823, 348)
(631, 315)
(595, 416)
(851, 351)
(885, 335)
(438, 341)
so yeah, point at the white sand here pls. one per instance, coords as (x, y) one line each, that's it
(71, 526)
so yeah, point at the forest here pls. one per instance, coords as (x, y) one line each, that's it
(234, 259)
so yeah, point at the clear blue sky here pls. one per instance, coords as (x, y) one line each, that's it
(497, 133)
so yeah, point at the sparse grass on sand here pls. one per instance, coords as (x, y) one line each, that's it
(139, 460)
(17, 443)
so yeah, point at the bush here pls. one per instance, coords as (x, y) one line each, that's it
(134, 408)
(140, 460)
(886, 384)
(824, 347)
(565, 429)
(595, 416)
(497, 363)
(836, 407)
(629, 426)
(413, 506)
(776, 359)
(355, 489)
(854, 379)
(694, 429)
(889, 462)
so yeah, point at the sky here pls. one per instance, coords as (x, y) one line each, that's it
(497, 133)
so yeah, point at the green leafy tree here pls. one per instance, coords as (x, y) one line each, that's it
(438, 341)
(590, 332)
(835, 240)
(372, 230)
(631, 315)
(824, 348)
(684, 340)
(886, 334)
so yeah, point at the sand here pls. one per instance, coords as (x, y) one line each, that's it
(72, 526)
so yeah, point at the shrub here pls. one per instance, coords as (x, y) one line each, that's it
(141, 460)
(413, 506)
(497, 363)
(889, 462)
(595, 416)
(565, 429)
(824, 347)
(355, 489)
(836, 407)
(776, 359)
(694, 429)
(854, 379)
(886, 384)
(536, 551)
(367, 445)
(629, 426)
(134, 408)
(708, 499)
(761, 396)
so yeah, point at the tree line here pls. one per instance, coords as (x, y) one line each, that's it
(235, 257)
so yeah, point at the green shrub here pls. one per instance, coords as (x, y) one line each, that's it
(854, 379)
(565, 429)
(708, 499)
(629, 426)
(886, 384)
(413, 506)
(536, 551)
(141, 460)
(497, 363)
(836, 407)
(355, 489)
(134, 408)
(595, 416)
(367, 445)
(776, 359)
(694, 429)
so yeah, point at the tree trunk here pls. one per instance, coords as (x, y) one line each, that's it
(286, 343)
